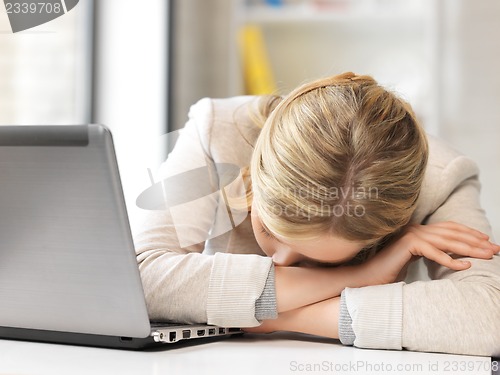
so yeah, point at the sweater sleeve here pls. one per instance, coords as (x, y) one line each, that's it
(458, 312)
(180, 282)
(455, 312)
(266, 307)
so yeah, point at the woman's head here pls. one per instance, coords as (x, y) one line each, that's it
(339, 157)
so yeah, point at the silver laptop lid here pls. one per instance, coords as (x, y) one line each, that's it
(67, 260)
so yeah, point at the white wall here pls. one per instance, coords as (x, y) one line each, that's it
(471, 91)
(130, 86)
(201, 54)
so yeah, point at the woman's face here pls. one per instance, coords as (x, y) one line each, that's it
(324, 250)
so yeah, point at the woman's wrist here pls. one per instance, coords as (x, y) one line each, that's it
(320, 319)
(299, 286)
(368, 274)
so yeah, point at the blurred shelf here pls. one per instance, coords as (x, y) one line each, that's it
(310, 13)
(397, 41)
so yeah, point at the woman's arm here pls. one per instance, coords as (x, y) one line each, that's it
(464, 306)
(305, 294)
(180, 283)
(320, 319)
(300, 286)
(456, 312)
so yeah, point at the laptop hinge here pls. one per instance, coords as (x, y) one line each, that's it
(44, 135)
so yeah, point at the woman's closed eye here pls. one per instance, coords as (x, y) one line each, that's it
(268, 234)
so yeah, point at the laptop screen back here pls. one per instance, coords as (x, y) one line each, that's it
(67, 260)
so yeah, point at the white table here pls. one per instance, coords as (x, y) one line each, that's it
(277, 353)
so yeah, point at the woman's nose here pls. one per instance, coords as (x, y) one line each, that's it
(285, 257)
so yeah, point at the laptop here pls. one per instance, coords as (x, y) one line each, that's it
(68, 271)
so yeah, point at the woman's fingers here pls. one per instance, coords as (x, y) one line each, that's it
(461, 228)
(453, 237)
(453, 230)
(438, 256)
(459, 235)
(434, 240)
(460, 246)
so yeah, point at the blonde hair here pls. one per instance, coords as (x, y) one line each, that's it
(336, 144)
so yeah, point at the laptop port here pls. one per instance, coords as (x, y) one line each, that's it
(126, 339)
(172, 336)
(233, 330)
(201, 332)
(211, 331)
(222, 331)
(186, 334)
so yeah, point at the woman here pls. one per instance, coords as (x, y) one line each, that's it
(346, 191)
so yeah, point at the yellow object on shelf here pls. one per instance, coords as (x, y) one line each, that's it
(257, 70)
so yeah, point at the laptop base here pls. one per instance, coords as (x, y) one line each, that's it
(113, 342)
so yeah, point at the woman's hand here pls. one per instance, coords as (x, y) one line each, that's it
(432, 241)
